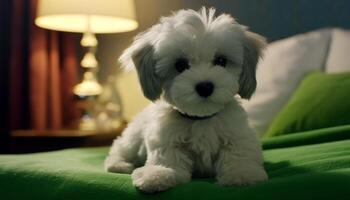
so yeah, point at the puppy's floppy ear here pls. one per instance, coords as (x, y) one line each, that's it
(253, 44)
(141, 55)
(145, 65)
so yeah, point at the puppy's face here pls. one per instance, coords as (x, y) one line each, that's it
(196, 62)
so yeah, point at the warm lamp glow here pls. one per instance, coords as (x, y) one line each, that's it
(88, 17)
(96, 16)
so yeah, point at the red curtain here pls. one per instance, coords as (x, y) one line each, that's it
(43, 70)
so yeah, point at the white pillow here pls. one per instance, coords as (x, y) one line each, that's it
(284, 64)
(339, 52)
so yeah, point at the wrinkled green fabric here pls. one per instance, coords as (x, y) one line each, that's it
(308, 137)
(321, 100)
(297, 171)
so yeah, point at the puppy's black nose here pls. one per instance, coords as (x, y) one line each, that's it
(205, 89)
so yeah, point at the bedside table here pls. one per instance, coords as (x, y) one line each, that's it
(30, 141)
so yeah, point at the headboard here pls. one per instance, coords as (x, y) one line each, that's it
(276, 19)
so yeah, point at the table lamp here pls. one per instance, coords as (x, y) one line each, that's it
(88, 17)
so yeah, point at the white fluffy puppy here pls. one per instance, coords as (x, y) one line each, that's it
(194, 64)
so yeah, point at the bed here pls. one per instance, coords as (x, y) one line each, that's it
(307, 158)
(308, 165)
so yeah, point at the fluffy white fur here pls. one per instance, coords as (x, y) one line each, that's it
(163, 148)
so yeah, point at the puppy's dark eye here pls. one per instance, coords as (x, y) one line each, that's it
(220, 60)
(182, 64)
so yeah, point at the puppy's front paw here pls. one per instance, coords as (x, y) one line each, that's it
(118, 166)
(153, 178)
(242, 176)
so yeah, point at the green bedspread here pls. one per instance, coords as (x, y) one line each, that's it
(309, 165)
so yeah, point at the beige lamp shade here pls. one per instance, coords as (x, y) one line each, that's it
(97, 16)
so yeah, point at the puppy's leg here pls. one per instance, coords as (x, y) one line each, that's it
(126, 151)
(241, 163)
(165, 168)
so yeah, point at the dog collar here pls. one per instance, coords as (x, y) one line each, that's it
(193, 117)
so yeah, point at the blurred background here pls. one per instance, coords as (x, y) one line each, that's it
(40, 66)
